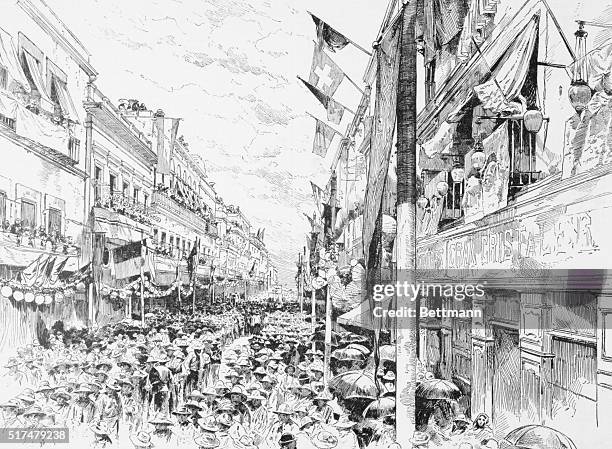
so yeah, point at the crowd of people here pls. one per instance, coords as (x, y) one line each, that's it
(248, 376)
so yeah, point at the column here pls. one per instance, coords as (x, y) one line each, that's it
(536, 358)
(482, 359)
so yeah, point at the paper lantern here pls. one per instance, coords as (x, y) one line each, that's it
(318, 283)
(354, 262)
(114, 294)
(105, 291)
(6, 291)
(579, 94)
(48, 299)
(18, 295)
(59, 297)
(442, 188)
(478, 156)
(322, 274)
(80, 287)
(330, 273)
(457, 173)
(29, 297)
(533, 120)
(422, 202)
(39, 299)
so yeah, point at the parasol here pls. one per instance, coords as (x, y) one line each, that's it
(387, 353)
(359, 347)
(354, 338)
(437, 389)
(354, 383)
(380, 407)
(348, 354)
(535, 436)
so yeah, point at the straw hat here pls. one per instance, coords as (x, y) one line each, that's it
(325, 440)
(160, 419)
(208, 423)
(207, 441)
(419, 439)
(141, 439)
(284, 409)
(344, 423)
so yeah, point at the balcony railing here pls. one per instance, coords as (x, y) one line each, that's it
(109, 198)
(163, 199)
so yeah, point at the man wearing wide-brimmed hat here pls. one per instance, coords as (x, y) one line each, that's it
(11, 411)
(108, 408)
(60, 403)
(347, 439)
(160, 383)
(82, 408)
(102, 434)
(206, 441)
(162, 432)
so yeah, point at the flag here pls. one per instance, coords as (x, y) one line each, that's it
(252, 270)
(310, 220)
(387, 57)
(128, 260)
(317, 195)
(57, 269)
(263, 231)
(173, 132)
(163, 159)
(192, 262)
(329, 37)
(325, 74)
(334, 109)
(324, 134)
(30, 274)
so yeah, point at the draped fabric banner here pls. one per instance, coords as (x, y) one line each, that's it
(41, 130)
(10, 60)
(163, 153)
(496, 173)
(508, 78)
(430, 217)
(387, 56)
(487, 191)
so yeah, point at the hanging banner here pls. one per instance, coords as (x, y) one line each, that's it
(496, 172)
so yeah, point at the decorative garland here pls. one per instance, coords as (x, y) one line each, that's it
(42, 296)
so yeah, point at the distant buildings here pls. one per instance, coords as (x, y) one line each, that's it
(80, 183)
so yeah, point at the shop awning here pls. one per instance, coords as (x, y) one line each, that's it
(8, 59)
(360, 316)
(117, 226)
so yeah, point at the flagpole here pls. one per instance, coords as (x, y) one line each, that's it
(333, 129)
(328, 299)
(330, 96)
(193, 281)
(142, 301)
(406, 327)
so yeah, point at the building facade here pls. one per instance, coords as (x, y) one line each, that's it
(514, 198)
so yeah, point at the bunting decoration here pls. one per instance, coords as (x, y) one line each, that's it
(163, 155)
(317, 195)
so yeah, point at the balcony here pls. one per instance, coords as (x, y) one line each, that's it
(108, 198)
(163, 201)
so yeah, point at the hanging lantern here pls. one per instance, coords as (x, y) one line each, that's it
(6, 291)
(105, 291)
(422, 202)
(48, 299)
(114, 295)
(18, 295)
(478, 156)
(533, 120)
(442, 188)
(29, 297)
(59, 297)
(80, 287)
(579, 92)
(457, 173)
(39, 299)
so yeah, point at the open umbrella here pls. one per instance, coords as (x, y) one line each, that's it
(354, 383)
(437, 389)
(354, 338)
(380, 407)
(348, 354)
(359, 347)
(387, 353)
(535, 436)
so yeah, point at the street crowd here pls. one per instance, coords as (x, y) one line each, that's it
(243, 377)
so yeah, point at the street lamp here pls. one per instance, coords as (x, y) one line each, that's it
(579, 92)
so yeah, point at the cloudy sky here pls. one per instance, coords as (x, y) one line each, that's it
(229, 68)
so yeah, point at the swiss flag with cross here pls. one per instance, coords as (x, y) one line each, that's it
(325, 73)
